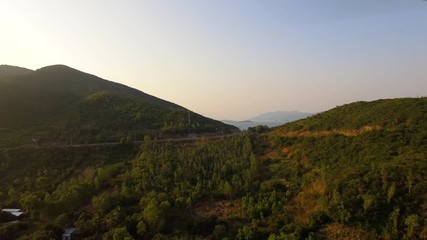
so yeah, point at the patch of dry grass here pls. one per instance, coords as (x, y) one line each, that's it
(222, 209)
(322, 133)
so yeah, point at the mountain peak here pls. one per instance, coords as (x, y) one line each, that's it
(58, 68)
(55, 66)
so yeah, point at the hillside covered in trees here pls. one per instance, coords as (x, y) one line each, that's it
(61, 105)
(358, 171)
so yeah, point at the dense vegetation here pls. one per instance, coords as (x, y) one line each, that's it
(387, 113)
(155, 195)
(358, 171)
(60, 105)
(362, 165)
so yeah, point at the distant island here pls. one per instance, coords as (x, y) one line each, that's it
(269, 119)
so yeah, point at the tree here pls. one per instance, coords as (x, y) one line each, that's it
(245, 233)
(219, 232)
(41, 183)
(121, 234)
(32, 203)
(138, 118)
(368, 202)
(226, 189)
(410, 180)
(394, 223)
(141, 228)
(104, 203)
(391, 191)
(412, 224)
(153, 216)
(11, 192)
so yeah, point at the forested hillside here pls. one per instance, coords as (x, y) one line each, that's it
(61, 105)
(358, 171)
(160, 193)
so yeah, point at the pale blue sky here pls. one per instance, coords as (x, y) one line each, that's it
(230, 59)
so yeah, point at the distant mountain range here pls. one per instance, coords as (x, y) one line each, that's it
(58, 103)
(270, 119)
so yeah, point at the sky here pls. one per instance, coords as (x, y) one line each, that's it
(230, 59)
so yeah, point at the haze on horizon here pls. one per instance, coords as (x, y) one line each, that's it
(230, 59)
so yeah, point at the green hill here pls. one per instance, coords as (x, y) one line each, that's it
(389, 113)
(58, 104)
(358, 168)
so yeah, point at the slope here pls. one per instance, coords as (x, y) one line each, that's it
(358, 168)
(7, 70)
(388, 113)
(59, 104)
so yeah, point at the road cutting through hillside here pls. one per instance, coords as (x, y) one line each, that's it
(185, 139)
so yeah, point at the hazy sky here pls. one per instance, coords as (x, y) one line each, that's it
(230, 59)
